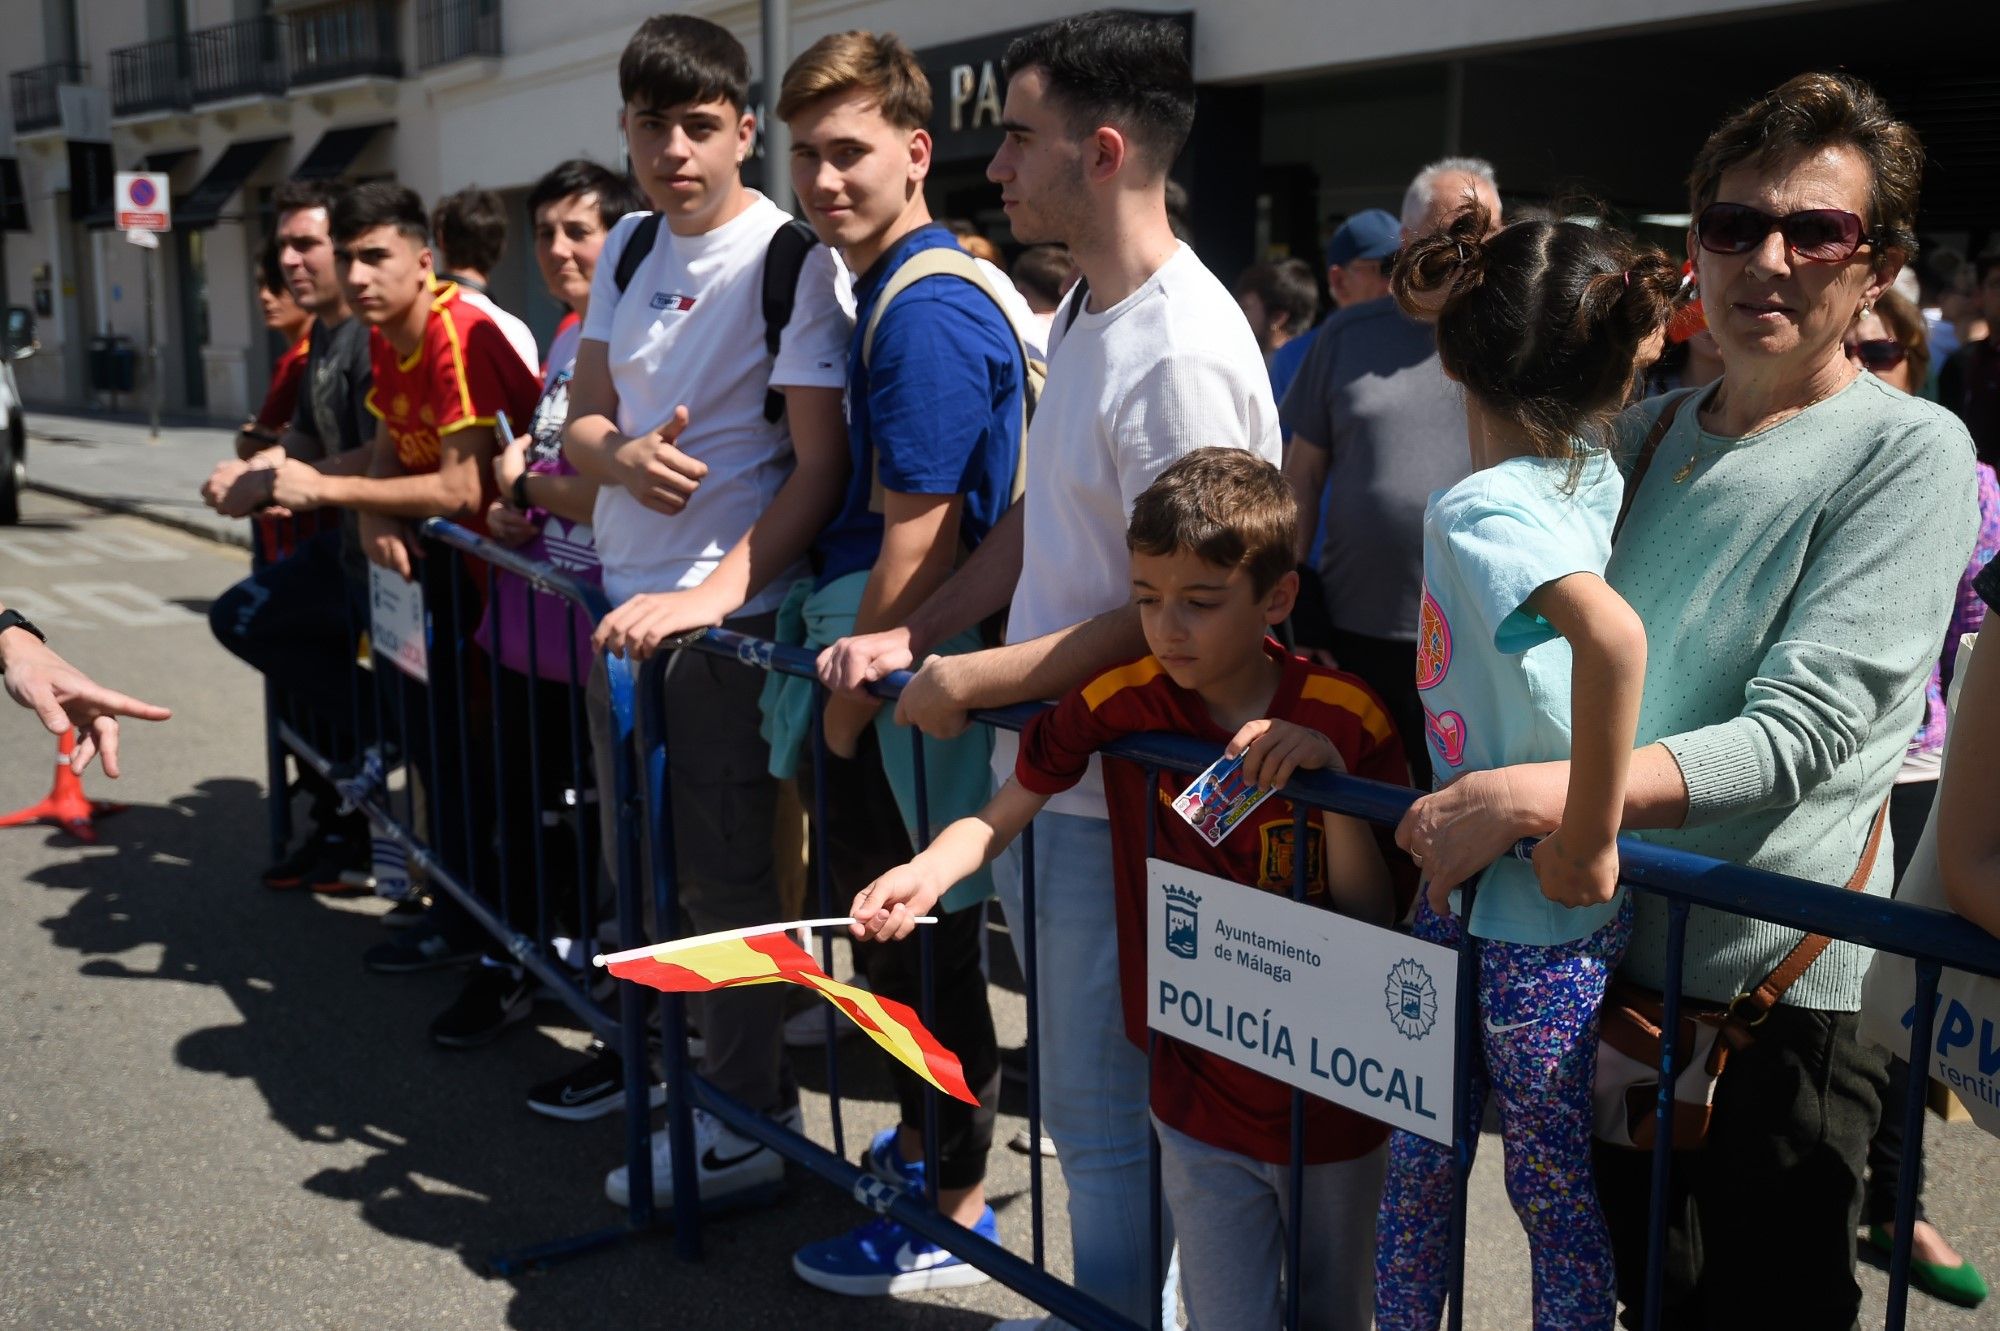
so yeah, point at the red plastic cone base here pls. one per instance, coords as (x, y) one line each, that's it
(67, 806)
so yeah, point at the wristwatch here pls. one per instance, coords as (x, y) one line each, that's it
(14, 619)
(521, 493)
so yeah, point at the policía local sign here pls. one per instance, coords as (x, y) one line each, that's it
(142, 201)
(1354, 1014)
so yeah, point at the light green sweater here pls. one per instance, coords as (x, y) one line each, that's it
(1795, 589)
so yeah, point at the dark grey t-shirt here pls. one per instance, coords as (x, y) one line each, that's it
(1372, 395)
(332, 408)
(333, 414)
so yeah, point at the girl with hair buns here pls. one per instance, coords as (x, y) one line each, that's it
(1525, 654)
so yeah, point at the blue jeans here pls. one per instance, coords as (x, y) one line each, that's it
(1093, 1079)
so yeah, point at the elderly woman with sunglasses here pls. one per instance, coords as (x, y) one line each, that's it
(1794, 537)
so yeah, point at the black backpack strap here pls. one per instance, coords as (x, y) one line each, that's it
(1078, 295)
(783, 261)
(636, 249)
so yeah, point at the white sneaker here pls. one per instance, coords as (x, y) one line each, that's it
(726, 1163)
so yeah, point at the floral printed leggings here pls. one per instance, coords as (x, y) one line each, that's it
(1539, 1009)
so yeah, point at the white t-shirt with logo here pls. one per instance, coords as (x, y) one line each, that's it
(689, 330)
(1171, 368)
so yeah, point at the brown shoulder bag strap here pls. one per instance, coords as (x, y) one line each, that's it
(1753, 1007)
(1645, 460)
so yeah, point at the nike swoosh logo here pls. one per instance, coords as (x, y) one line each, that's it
(909, 1259)
(713, 1162)
(572, 1096)
(1497, 1029)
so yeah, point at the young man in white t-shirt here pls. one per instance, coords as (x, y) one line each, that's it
(1158, 361)
(706, 508)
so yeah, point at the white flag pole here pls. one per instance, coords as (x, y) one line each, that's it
(753, 931)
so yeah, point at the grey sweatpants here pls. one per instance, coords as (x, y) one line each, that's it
(724, 819)
(1231, 1215)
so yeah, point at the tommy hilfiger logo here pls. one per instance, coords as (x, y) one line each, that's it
(672, 300)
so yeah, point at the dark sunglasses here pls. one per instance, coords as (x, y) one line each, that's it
(1877, 353)
(1817, 235)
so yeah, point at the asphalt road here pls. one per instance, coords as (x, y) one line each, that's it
(214, 1118)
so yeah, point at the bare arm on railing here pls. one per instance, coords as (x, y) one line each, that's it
(1357, 877)
(890, 906)
(940, 697)
(776, 541)
(919, 542)
(455, 490)
(980, 589)
(1577, 863)
(1968, 834)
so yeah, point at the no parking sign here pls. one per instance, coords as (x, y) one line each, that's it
(142, 201)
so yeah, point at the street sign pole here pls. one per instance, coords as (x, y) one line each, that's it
(145, 209)
(151, 262)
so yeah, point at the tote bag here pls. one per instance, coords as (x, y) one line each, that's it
(1964, 1052)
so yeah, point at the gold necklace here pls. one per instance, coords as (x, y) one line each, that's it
(1694, 458)
(1715, 405)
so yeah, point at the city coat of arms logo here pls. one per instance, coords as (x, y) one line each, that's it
(1411, 999)
(1183, 921)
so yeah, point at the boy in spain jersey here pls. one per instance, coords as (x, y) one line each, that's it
(1212, 570)
(442, 372)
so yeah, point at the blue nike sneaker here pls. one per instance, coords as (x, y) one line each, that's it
(883, 1257)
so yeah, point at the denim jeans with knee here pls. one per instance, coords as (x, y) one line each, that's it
(1093, 1079)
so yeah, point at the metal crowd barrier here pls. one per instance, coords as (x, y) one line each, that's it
(1933, 939)
(398, 716)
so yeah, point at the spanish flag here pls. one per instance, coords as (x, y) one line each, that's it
(769, 956)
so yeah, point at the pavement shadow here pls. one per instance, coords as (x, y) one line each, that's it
(452, 1157)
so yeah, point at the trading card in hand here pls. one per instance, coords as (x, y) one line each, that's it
(1219, 799)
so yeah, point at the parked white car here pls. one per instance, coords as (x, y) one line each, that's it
(20, 343)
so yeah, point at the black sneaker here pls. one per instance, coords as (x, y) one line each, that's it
(291, 871)
(590, 1091)
(494, 998)
(425, 948)
(407, 914)
(343, 868)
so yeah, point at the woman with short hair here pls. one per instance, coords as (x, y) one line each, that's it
(1793, 542)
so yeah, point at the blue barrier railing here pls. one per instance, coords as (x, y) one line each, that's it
(643, 802)
(524, 931)
(1933, 938)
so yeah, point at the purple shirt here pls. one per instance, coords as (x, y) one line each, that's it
(1967, 614)
(560, 626)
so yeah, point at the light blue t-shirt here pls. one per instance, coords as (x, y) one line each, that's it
(1494, 677)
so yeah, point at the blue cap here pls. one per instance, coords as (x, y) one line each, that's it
(1374, 233)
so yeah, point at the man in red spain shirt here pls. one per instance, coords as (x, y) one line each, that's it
(442, 371)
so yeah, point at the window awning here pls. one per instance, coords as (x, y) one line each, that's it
(335, 152)
(203, 205)
(13, 204)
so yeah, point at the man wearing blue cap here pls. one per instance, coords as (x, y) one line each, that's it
(1358, 259)
(1373, 428)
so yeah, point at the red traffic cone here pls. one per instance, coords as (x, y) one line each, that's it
(67, 806)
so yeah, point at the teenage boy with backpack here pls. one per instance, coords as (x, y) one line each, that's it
(936, 406)
(1151, 358)
(706, 403)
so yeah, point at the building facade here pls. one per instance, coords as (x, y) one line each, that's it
(1310, 109)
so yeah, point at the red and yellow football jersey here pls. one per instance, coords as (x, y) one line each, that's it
(461, 375)
(1211, 1099)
